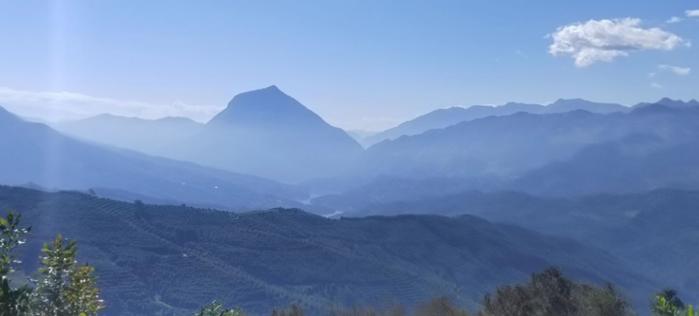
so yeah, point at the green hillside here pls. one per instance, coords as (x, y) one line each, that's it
(170, 260)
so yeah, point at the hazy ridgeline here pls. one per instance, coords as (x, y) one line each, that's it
(566, 148)
(263, 132)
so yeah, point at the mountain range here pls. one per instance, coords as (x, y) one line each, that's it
(557, 149)
(35, 154)
(147, 136)
(517, 150)
(540, 149)
(446, 117)
(598, 189)
(262, 132)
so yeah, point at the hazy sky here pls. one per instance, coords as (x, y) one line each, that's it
(359, 64)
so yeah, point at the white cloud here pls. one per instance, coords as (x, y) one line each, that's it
(62, 105)
(680, 71)
(674, 19)
(605, 40)
(692, 13)
(656, 85)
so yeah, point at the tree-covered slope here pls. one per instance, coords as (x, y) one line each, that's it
(656, 233)
(172, 259)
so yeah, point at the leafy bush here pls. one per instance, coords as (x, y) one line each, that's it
(441, 306)
(67, 288)
(667, 303)
(217, 309)
(64, 288)
(13, 301)
(369, 311)
(294, 310)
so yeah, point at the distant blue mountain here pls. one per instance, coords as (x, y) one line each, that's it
(33, 153)
(495, 146)
(263, 132)
(446, 117)
(670, 103)
(560, 154)
(153, 137)
(634, 164)
(268, 133)
(509, 146)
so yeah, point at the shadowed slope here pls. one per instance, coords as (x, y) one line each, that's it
(166, 258)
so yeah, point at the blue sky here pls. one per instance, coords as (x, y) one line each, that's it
(359, 64)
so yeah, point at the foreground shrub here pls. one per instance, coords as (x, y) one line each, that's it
(667, 303)
(13, 301)
(64, 288)
(294, 310)
(217, 309)
(550, 294)
(441, 306)
(369, 311)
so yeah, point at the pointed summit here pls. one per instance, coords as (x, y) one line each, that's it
(265, 106)
(267, 133)
(7, 117)
(4, 112)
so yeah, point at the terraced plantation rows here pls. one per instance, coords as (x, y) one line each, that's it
(169, 260)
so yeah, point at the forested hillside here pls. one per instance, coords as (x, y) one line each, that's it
(654, 232)
(152, 259)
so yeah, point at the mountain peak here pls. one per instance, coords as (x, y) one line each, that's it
(669, 102)
(266, 106)
(268, 133)
(676, 103)
(272, 88)
(271, 91)
(3, 111)
(7, 116)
